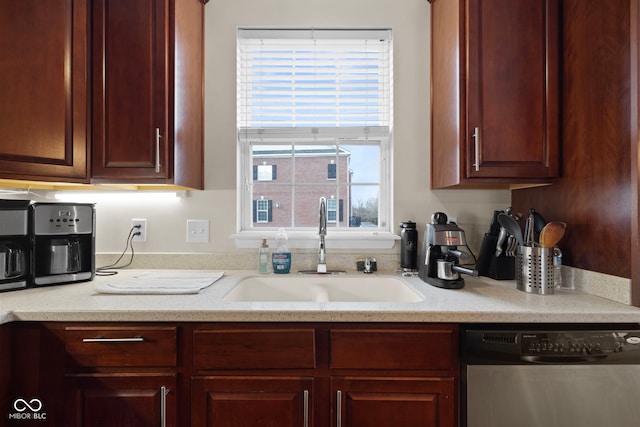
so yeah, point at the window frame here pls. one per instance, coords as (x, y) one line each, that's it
(381, 236)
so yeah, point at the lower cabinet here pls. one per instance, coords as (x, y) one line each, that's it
(391, 402)
(130, 399)
(5, 368)
(326, 376)
(251, 401)
(236, 374)
(122, 375)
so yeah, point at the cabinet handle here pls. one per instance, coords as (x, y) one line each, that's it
(158, 136)
(100, 338)
(477, 141)
(305, 397)
(163, 406)
(339, 408)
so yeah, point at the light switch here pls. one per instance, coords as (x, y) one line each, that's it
(197, 230)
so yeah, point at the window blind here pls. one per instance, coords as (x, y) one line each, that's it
(313, 82)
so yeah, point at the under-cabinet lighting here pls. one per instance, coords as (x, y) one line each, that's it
(12, 192)
(120, 196)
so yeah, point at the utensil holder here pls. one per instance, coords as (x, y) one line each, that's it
(534, 270)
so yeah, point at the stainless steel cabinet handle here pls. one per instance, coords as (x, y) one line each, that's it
(99, 338)
(158, 136)
(305, 397)
(339, 408)
(163, 406)
(477, 141)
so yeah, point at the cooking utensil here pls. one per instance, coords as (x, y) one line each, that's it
(502, 236)
(512, 244)
(511, 225)
(533, 226)
(528, 230)
(538, 221)
(552, 233)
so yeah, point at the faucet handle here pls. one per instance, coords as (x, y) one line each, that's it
(370, 265)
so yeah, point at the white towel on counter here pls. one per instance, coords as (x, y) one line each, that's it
(160, 283)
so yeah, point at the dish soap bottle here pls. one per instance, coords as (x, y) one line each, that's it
(281, 258)
(263, 257)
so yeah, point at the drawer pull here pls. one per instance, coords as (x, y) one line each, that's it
(339, 408)
(476, 137)
(101, 339)
(163, 406)
(305, 395)
(158, 136)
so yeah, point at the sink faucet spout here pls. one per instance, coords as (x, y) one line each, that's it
(322, 261)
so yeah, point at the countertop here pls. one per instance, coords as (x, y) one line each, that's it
(481, 300)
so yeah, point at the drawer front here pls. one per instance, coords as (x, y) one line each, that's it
(254, 349)
(393, 349)
(121, 346)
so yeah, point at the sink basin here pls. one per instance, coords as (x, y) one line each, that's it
(323, 289)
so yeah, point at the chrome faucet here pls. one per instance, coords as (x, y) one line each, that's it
(322, 261)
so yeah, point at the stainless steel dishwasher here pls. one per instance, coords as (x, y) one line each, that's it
(550, 377)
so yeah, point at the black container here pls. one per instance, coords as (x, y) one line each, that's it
(501, 267)
(408, 246)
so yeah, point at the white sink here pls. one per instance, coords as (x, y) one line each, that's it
(321, 288)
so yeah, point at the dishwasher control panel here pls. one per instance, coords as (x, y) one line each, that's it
(550, 346)
(577, 343)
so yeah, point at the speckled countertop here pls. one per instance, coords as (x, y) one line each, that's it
(481, 300)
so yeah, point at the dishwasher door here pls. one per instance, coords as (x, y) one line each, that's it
(552, 395)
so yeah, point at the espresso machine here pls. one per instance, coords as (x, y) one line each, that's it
(441, 266)
(15, 251)
(63, 239)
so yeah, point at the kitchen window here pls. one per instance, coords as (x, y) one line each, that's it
(315, 105)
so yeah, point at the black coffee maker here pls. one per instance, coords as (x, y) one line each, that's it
(441, 267)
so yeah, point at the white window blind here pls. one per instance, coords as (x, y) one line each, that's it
(296, 82)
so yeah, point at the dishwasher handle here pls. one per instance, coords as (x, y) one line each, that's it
(565, 360)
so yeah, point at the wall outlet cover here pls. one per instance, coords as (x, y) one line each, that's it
(142, 222)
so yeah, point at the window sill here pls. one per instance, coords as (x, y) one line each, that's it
(309, 239)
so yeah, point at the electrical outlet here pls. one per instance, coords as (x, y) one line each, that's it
(142, 237)
(198, 230)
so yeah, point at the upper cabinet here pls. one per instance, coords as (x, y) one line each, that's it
(147, 92)
(494, 92)
(43, 80)
(102, 91)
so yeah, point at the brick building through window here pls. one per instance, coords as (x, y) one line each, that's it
(287, 182)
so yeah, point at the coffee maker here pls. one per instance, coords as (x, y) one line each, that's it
(63, 241)
(15, 252)
(441, 266)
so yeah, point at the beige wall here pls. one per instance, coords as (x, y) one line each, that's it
(412, 198)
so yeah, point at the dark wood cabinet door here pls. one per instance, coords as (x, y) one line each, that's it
(220, 401)
(44, 87)
(5, 367)
(395, 401)
(109, 400)
(513, 126)
(495, 92)
(130, 106)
